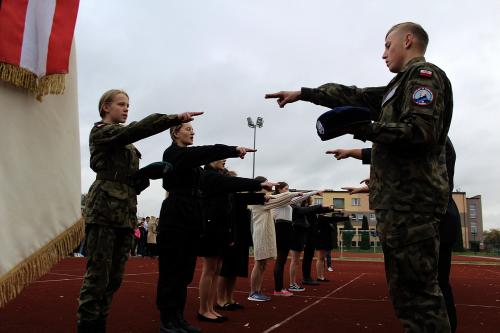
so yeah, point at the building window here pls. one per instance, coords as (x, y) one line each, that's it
(472, 211)
(356, 201)
(372, 216)
(359, 217)
(318, 201)
(338, 203)
(353, 216)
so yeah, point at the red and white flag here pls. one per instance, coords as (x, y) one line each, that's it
(35, 36)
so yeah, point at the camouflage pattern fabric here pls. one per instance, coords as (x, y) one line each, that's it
(408, 181)
(411, 251)
(108, 250)
(112, 199)
(111, 209)
(408, 170)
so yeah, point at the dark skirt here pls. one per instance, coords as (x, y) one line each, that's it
(299, 235)
(235, 260)
(212, 244)
(324, 237)
(283, 234)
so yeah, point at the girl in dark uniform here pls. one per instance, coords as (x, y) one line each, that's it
(181, 219)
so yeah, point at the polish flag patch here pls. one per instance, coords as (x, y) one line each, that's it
(425, 73)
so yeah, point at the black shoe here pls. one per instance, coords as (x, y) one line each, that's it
(218, 320)
(185, 325)
(171, 327)
(91, 326)
(229, 307)
(223, 318)
(310, 282)
(236, 306)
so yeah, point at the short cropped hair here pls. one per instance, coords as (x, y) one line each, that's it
(107, 98)
(415, 29)
(261, 179)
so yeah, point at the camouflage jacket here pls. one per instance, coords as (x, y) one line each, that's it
(112, 200)
(413, 116)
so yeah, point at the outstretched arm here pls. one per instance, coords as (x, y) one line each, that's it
(279, 200)
(118, 135)
(303, 197)
(189, 157)
(333, 95)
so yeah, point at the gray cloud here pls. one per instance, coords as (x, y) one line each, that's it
(222, 56)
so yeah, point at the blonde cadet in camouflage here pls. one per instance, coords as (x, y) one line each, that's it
(408, 176)
(111, 205)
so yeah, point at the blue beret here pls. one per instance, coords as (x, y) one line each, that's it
(341, 120)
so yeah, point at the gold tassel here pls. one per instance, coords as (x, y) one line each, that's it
(20, 77)
(50, 84)
(40, 262)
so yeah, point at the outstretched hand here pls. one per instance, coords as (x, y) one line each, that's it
(268, 186)
(339, 154)
(242, 151)
(354, 190)
(186, 117)
(285, 97)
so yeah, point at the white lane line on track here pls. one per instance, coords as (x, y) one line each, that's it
(479, 306)
(272, 328)
(59, 280)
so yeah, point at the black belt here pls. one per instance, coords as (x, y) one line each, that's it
(115, 177)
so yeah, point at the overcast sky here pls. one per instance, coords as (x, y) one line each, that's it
(222, 56)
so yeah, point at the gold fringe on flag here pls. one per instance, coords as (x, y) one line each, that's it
(40, 262)
(20, 77)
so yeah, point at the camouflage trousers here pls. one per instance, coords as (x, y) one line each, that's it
(410, 242)
(107, 249)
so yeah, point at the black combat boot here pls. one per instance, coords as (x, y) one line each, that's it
(88, 326)
(169, 324)
(101, 324)
(184, 324)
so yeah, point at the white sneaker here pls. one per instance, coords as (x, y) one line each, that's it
(296, 287)
(330, 269)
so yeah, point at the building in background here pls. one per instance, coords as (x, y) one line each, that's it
(356, 206)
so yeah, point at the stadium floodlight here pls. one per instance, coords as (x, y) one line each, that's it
(250, 122)
(259, 123)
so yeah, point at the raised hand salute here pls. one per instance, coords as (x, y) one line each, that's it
(285, 97)
(186, 117)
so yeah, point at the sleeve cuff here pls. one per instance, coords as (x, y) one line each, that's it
(366, 155)
(306, 94)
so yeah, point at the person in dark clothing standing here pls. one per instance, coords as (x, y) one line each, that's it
(235, 255)
(217, 232)
(448, 226)
(305, 225)
(181, 221)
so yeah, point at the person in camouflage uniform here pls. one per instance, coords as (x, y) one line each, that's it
(408, 176)
(111, 206)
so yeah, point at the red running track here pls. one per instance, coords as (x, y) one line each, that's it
(354, 301)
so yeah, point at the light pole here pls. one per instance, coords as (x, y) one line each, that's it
(259, 123)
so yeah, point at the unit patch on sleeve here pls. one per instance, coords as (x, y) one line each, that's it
(423, 96)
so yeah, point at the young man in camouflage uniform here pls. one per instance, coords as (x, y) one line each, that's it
(408, 177)
(111, 206)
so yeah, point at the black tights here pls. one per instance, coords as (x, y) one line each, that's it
(279, 268)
